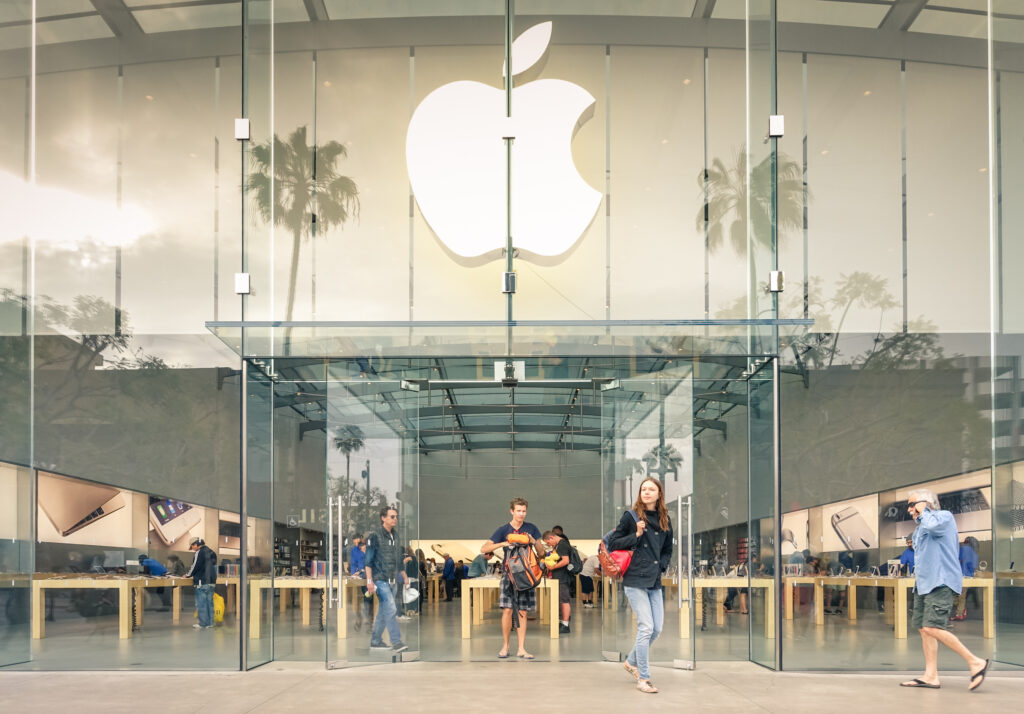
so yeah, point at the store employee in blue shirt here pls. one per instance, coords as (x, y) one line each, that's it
(939, 579)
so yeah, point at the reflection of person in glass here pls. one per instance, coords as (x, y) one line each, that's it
(383, 565)
(649, 535)
(939, 579)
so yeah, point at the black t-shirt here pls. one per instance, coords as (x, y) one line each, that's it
(562, 574)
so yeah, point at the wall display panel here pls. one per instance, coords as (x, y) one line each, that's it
(288, 166)
(561, 284)
(968, 497)
(792, 244)
(850, 525)
(855, 245)
(1010, 213)
(795, 537)
(169, 163)
(446, 285)
(947, 198)
(79, 231)
(355, 259)
(726, 154)
(656, 137)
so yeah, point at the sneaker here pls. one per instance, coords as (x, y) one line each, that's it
(403, 618)
(379, 646)
(197, 626)
(400, 647)
(563, 629)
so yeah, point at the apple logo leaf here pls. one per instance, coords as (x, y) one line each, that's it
(529, 47)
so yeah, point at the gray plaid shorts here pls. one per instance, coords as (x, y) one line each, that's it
(509, 597)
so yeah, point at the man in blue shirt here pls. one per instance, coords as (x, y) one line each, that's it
(907, 557)
(357, 569)
(968, 564)
(939, 579)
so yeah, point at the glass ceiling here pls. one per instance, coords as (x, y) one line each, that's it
(454, 404)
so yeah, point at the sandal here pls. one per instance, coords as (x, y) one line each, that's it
(645, 686)
(632, 670)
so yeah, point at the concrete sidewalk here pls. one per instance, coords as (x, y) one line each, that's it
(493, 687)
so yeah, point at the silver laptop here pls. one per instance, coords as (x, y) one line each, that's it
(71, 504)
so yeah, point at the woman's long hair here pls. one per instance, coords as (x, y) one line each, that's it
(641, 509)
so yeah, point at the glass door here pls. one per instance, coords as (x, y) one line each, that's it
(760, 553)
(372, 492)
(647, 429)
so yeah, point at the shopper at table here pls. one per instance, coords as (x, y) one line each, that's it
(649, 536)
(938, 580)
(591, 569)
(384, 555)
(448, 575)
(907, 558)
(509, 599)
(204, 577)
(478, 568)
(968, 564)
(357, 569)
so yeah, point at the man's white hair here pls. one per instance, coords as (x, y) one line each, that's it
(924, 494)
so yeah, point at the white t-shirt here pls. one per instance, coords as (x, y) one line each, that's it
(590, 565)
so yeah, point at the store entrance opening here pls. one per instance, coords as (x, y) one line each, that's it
(441, 446)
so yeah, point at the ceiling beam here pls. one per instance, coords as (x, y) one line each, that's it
(902, 15)
(119, 19)
(316, 10)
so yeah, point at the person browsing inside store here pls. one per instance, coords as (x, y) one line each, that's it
(647, 531)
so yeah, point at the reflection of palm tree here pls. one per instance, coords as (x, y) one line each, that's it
(631, 467)
(305, 180)
(663, 459)
(866, 290)
(348, 440)
(727, 197)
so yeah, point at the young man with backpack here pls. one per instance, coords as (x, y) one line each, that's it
(563, 573)
(510, 598)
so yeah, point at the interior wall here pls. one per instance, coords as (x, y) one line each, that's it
(465, 495)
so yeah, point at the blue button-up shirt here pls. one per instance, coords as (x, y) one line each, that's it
(936, 552)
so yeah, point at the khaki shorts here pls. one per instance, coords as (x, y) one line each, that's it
(933, 609)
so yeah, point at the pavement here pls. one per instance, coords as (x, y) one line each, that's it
(591, 687)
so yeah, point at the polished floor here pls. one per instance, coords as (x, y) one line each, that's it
(74, 642)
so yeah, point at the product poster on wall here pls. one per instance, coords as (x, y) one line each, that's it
(794, 532)
(82, 512)
(173, 522)
(850, 525)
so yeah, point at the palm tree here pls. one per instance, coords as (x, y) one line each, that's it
(725, 207)
(307, 191)
(632, 467)
(865, 289)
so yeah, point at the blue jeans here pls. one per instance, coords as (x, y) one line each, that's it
(204, 605)
(386, 615)
(649, 606)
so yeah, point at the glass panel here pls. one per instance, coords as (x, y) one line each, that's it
(722, 539)
(761, 553)
(1006, 387)
(372, 467)
(262, 554)
(648, 427)
(16, 480)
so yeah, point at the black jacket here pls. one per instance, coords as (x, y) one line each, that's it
(652, 554)
(204, 567)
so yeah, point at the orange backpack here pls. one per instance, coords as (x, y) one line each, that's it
(522, 569)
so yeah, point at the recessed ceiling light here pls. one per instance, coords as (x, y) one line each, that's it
(686, 81)
(867, 92)
(824, 152)
(149, 97)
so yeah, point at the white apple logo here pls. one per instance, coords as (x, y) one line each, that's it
(457, 162)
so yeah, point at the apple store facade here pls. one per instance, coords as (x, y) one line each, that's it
(269, 266)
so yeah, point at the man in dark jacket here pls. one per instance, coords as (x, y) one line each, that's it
(384, 555)
(204, 576)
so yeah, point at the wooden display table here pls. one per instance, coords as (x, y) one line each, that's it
(130, 591)
(721, 584)
(351, 595)
(897, 598)
(487, 596)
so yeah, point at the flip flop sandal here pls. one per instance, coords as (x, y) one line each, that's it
(632, 670)
(503, 656)
(526, 656)
(920, 684)
(980, 676)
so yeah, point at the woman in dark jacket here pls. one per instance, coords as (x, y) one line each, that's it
(649, 535)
